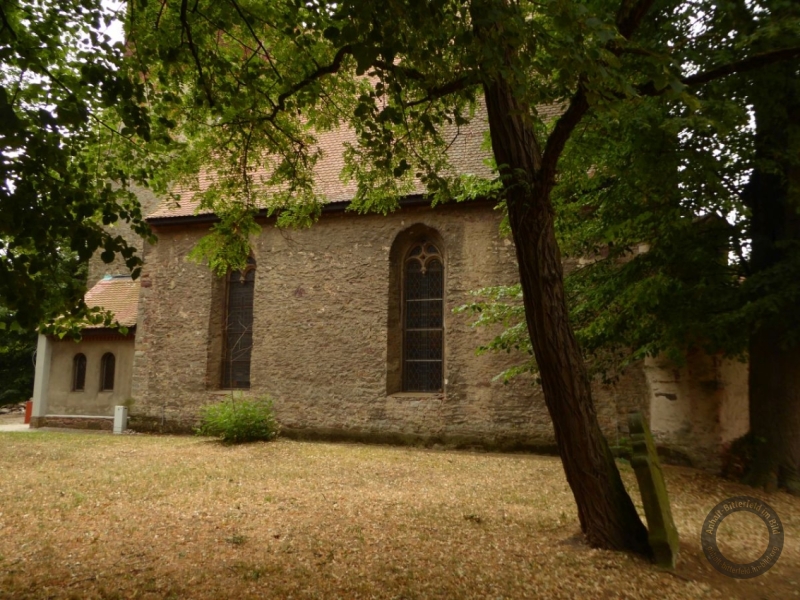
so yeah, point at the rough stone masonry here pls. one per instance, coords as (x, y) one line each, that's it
(325, 335)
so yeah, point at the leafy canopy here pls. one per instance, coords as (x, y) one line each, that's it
(250, 85)
(65, 159)
(652, 208)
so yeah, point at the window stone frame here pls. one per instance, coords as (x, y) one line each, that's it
(251, 267)
(403, 243)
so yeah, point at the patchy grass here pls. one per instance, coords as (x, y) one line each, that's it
(100, 516)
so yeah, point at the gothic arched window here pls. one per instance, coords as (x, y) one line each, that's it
(78, 373)
(239, 327)
(107, 367)
(423, 304)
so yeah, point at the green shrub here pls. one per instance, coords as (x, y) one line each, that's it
(239, 420)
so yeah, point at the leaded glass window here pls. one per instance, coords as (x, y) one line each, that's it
(107, 367)
(423, 334)
(79, 373)
(239, 328)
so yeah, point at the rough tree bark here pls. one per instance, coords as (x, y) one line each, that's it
(773, 196)
(774, 411)
(607, 515)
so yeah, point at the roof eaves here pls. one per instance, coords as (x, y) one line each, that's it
(330, 207)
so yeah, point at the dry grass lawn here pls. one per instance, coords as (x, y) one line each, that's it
(100, 516)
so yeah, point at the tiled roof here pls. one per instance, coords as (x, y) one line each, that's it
(119, 294)
(466, 157)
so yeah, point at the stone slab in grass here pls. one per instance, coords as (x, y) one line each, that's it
(662, 533)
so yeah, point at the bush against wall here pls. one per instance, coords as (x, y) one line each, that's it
(240, 420)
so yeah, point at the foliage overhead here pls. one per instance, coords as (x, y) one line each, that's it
(652, 213)
(249, 84)
(65, 159)
(642, 206)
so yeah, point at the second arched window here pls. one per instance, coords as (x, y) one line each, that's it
(239, 328)
(79, 372)
(107, 369)
(423, 319)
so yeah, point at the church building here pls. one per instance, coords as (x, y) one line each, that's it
(349, 326)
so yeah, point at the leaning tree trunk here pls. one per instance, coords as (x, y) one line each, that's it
(773, 196)
(607, 515)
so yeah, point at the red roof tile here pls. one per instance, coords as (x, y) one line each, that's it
(119, 294)
(466, 156)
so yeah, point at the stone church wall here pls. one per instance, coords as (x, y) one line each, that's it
(322, 336)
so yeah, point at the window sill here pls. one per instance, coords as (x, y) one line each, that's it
(419, 395)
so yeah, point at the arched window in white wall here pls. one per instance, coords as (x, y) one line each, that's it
(423, 319)
(107, 368)
(79, 373)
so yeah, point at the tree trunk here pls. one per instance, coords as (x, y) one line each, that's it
(607, 515)
(773, 196)
(774, 411)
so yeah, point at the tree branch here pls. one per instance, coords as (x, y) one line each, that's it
(160, 13)
(333, 67)
(432, 93)
(410, 73)
(6, 24)
(630, 17)
(193, 49)
(750, 63)
(443, 90)
(741, 66)
(256, 38)
(578, 106)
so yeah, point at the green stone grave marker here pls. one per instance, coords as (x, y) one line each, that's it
(662, 533)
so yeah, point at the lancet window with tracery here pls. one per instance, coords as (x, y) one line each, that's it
(423, 319)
